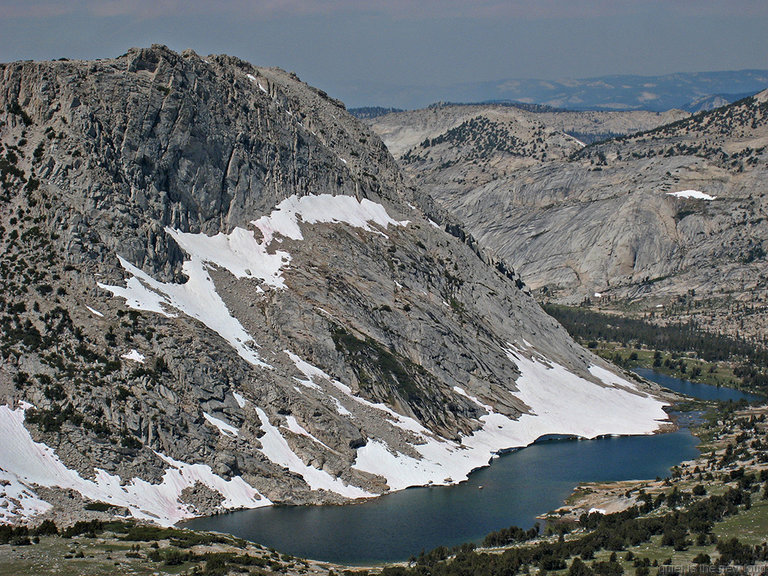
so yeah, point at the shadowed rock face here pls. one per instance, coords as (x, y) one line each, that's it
(212, 263)
(576, 221)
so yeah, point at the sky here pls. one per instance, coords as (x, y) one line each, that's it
(405, 53)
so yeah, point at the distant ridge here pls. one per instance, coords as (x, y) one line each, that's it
(611, 92)
(528, 107)
(367, 112)
(712, 101)
(662, 213)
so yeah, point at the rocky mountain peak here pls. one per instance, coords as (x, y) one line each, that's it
(196, 144)
(218, 293)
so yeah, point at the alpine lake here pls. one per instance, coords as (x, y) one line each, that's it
(519, 486)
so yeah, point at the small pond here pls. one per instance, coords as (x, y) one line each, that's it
(696, 390)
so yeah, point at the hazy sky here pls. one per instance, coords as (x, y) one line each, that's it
(371, 52)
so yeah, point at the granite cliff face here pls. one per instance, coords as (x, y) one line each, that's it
(217, 292)
(616, 220)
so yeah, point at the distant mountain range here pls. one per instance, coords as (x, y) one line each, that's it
(660, 213)
(693, 92)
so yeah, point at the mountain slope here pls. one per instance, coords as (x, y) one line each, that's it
(217, 293)
(614, 220)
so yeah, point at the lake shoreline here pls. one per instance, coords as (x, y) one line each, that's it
(652, 389)
(611, 497)
(110, 546)
(518, 487)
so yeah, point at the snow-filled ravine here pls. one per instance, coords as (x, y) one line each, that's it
(558, 401)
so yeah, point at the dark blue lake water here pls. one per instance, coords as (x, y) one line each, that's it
(696, 390)
(518, 487)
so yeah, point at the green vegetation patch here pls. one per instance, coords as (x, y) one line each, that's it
(668, 349)
(373, 362)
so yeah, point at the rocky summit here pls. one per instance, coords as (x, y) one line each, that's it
(218, 292)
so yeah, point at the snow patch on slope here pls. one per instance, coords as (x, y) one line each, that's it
(459, 390)
(322, 208)
(95, 312)
(579, 142)
(570, 405)
(135, 356)
(26, 462)
(224, 428)
(293, 425)
(340, 407)
(18, 499)
(196, 298)
(238, 252)
(253, 79)
(560, 402)
(276, 449)
(240, 399)
(695, 194)
(243, 256)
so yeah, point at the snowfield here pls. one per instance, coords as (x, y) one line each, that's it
(695, 194)
(25, 463)
(560, 403)
(243, 256)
